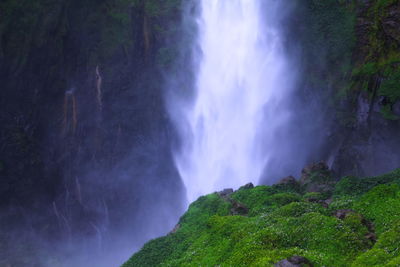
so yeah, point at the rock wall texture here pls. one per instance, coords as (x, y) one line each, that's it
(84, 132)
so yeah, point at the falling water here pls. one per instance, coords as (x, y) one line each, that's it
(239, 85)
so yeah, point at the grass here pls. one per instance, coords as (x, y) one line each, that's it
(282, 223)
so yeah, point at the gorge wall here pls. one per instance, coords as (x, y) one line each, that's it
(85, 161)
(85, 137)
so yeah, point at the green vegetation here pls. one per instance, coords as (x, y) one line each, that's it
(377, 56)
(282, 223)
(109, 27)
(327, 35)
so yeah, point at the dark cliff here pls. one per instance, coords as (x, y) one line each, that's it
(85, 139)
(84, 132)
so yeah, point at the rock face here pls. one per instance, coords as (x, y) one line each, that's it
(247, 186)
(317, 177)
(391, 23)
(238, 208)
(290, 180)
(225, 193)
(320, 169)
(368, 144)
(176, 228)
(342, 214)
(294, 261)
(81, 97)
(396, 108)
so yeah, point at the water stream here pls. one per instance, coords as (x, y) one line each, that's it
(239, 87)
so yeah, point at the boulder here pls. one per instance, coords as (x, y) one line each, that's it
(294, 261)
(225, 193)
(287, 180)
(327, 202)
(247, 186)
(238, 208)
(371, 236)
(342, 214)
(317, 177)
(319, 199)
(319, 168)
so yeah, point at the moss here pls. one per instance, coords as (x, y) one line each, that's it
(297, 209)
(354, 186)
(385, 252)
(376, 58)
(340, 203)
(281, 199)
(390, 86)
(381, 205)
(374, 257)
(310, 196)
(369, 68)
(288, 188)
(255, 198)
(201, 210)
(356, 222)
(283, 224)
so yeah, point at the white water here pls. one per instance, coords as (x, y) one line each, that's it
(240, 87)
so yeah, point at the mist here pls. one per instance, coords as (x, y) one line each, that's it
(86, 147)
(113, 124)
(241, 116)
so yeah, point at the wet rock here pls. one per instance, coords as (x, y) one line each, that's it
(238, 208)
(294, 261)
(247, 186)
(396, 108)
(225, 193)
(288, 183)
(176, 228)
(323, 202)
(317, 177)
(371, 236)
(363, 108)
(342, 214)
(313, 200)
(391, 23)
(287, 180)
(309, 170)
(328, 201)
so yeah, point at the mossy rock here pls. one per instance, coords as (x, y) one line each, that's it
(285, 224)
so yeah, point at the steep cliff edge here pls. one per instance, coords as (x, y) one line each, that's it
(371, 99)
(83, 129)
(350, 66)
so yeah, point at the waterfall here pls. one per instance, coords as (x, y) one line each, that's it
(228, 130)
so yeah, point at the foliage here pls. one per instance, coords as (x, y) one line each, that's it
(390, 86)
(381, 205)
(282, 224)
(386, 251)
(354, 186)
